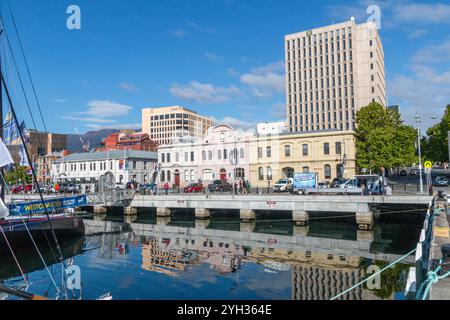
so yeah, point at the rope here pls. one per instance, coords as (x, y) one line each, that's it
(375, 274)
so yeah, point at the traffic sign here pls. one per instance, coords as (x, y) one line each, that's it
(428, 164)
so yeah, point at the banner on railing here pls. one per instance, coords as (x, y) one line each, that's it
(35, 207)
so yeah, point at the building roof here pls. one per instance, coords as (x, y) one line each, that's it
(110, 155)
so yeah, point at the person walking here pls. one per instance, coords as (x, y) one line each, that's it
(166, 188)
(244, 187)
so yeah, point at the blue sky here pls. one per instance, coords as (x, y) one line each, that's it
(222, 58)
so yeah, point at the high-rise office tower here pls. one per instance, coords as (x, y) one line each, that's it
(332, 72)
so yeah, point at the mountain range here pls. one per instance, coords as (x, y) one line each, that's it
(74, 144)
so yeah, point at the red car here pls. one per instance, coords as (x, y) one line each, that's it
(17, 189)
(194, 188)
(28, 188)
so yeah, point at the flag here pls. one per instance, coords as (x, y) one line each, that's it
(5, 155)
(3, 210)
(23, 157)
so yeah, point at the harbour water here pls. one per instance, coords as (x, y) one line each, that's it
(142, 257)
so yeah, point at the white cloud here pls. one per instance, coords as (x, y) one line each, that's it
(266, 80)
(235, 123)
(418, 33)
(128, 87)
(433, 54)
(106, 109)
(422, 13)
(178, 33)
(204, 93)
(130, 126)
(89, 119)
(213, 57)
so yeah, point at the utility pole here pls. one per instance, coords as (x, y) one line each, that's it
(418, 121)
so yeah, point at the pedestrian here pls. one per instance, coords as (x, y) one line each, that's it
(244, 187)
(166, 188)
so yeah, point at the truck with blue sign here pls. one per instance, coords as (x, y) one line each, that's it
(304, 183)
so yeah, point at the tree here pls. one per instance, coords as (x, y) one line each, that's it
(435, 145)
(18, 174)
(382, 140)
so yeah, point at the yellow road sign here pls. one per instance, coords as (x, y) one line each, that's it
(428, 164)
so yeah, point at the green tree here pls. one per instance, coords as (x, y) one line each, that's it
(18, 174)
(435, 145)
(382, 140)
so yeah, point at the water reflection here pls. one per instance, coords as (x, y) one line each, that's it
(144, 257)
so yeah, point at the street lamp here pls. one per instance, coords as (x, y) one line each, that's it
(418, 121)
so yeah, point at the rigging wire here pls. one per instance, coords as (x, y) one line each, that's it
(14, 256)
(34, 242)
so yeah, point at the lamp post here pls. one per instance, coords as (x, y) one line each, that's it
(418, 121)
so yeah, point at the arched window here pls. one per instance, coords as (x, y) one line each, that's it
(269, 152)
(168, 176)
(204, 155)
(327, 171)
(192, 175)
(210, 155)
(269, 173)
(261, 173)
(163, 176)
(186, 175)
(287, 150)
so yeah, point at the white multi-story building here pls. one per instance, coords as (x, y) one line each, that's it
(223, 154)
(332, 72)
(268, 128)
(125, 165)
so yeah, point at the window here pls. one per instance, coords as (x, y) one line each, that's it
(208, 175)
(210, 155)
(242, 153)
(192, 156)
(269, 152)
(204, 155)
(192, 175)
(338, 148)
(177, 157)
(260, 152)
(163, 157)
(163, 176)
(168, 176)
(269, 173)
(239, 173)
(287, 150)
(186, 157)
(225, 154)
(305, 169)
(261, 173)
(326, 148)
(168, 157)
(305, 149)
(186, 175)
(219, 154)
(327, 171)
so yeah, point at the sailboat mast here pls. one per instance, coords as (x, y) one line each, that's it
(2, 170)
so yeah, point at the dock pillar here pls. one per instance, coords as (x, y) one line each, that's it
(130, 218)
(202, 213)
(364, 220)
(162, 221)
(100, 210)
(163, 212)
(301, 218)
(300, 231)
(202, 223)
(247, 215)
(247, 227)
(130, 211)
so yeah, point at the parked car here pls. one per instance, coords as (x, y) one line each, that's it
(194, 188)
(337, 182)
(28, 188)
(220, 186)
(441, 181)
(283, 185)
(18, 188)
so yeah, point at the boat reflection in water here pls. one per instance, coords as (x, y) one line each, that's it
(143, 257)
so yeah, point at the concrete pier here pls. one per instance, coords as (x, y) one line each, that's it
(202, 213)
(100, 210)
(247, 227)
(300, 231)
(300, 217)
(247, 215)
(163, 212)
(130, 211)
(365, 220)
(130, 218)
(162, 221)
(202, 223)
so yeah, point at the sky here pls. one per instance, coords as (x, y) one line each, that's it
(221, 58)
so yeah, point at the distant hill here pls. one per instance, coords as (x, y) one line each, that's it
(94, 137)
